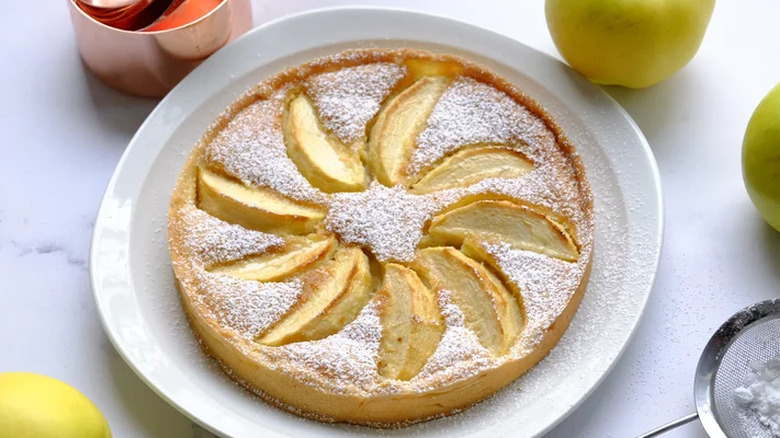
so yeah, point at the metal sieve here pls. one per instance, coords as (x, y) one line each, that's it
(751, 336)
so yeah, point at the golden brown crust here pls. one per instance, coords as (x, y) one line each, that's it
(243, 360)
(312, 403)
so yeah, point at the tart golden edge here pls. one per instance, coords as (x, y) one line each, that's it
(240, 358)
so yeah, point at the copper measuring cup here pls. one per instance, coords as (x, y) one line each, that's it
(151, 63)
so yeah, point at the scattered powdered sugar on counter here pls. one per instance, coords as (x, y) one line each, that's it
(388, 220)
(251, 147)
(472, 112)
(348, 98)
(761, 393)
(215, 241)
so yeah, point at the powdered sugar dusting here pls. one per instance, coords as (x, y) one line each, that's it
(388, 220)
(472, 112)
(546, 284)
(582, 354)
(459, 353)
(251, 147)
(348, 98)
(248, 307)
(215, 241)
(347, 360)
(545, 186)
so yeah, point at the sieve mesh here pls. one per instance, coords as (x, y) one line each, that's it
(757, 342)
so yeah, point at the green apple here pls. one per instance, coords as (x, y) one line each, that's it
(634, 43)
(35, 406)
(761, 158)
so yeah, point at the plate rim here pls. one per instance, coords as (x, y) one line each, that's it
(99, 225)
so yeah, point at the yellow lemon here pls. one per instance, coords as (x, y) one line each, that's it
(761, 158)
(634, 43)
(35, 406)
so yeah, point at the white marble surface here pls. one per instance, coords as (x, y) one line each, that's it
(64, 131)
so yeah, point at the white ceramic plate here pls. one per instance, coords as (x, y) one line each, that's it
(132, 279)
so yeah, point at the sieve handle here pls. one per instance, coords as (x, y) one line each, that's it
(669, 426)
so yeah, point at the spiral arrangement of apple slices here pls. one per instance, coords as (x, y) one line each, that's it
(341, 278)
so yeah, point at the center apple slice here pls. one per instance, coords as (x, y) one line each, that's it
(490, 311)
(394, 134)
(518, 225)
(472, 165)
(256, 208)
(412, 325)
(294, 256)
(322, 159)
(332, 297)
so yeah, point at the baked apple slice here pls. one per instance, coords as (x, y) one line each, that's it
(518, 225)
(321, 158)
(489, 309)
(332, 297)
(293, 257)
(412, 325)
(472, 165)
(256, 208)
(394, 134)
(475, 249)
(418, 68)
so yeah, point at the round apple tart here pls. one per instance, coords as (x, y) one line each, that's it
(381, 237)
